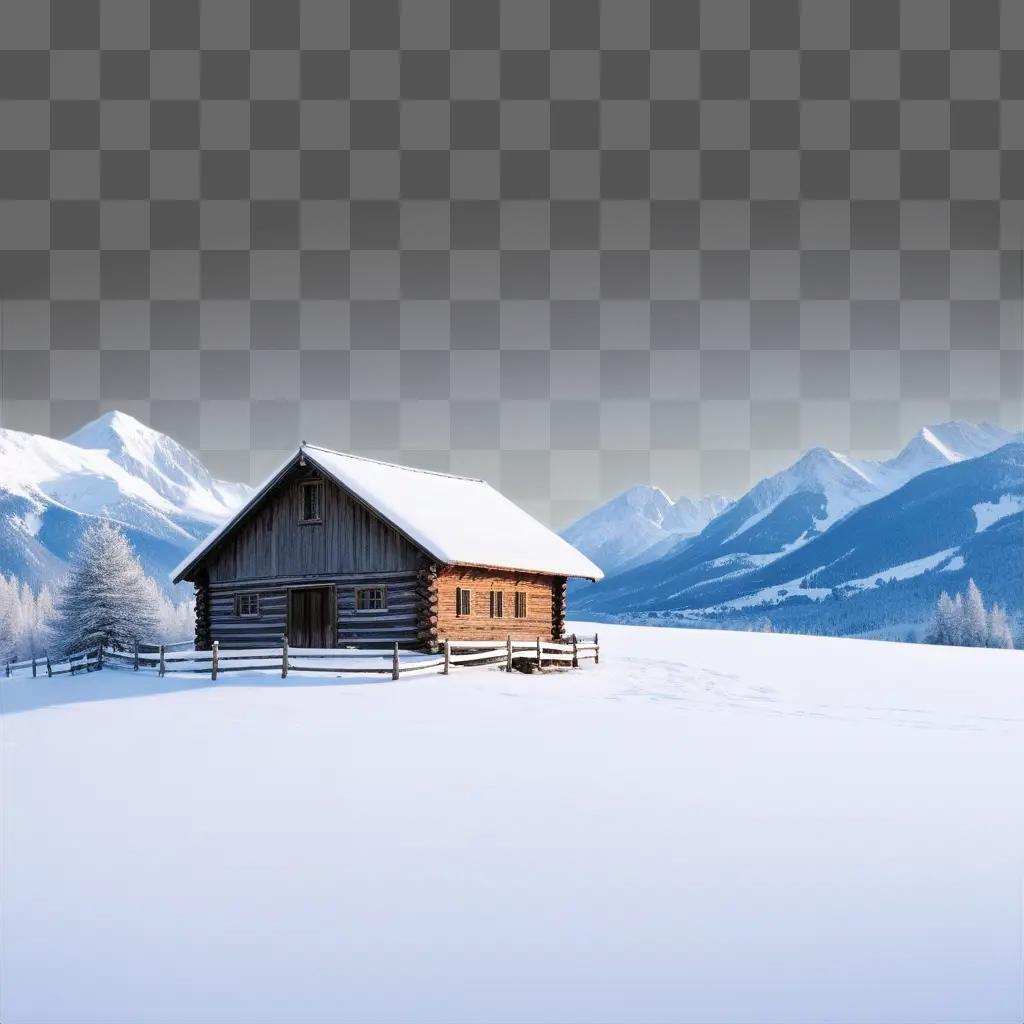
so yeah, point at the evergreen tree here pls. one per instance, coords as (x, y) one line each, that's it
(999, 632)
(946, 626)
(10, 618)
(956, 633)
(36, 621)
(176, 621)
(975, 618)
(106, 598)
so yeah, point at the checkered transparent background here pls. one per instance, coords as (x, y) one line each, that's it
(568, 245)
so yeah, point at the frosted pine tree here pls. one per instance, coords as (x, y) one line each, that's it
(946, 627)
(956, 636)
(106, 599)
(36, 621)
(176, 621)
(999, 632)
(10, 618)
(975, 618)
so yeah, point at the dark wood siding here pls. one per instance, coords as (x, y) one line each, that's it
(397, 622)
(271, 551)
(272, 542)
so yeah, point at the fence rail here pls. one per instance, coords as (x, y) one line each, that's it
(81, 661)
(511, 654)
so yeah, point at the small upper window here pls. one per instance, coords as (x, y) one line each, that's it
(463, 605)
(497, 604)
(312, 494)
(520, 604)
(369, 599)
(247, 606)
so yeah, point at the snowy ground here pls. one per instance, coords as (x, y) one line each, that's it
(724, 827)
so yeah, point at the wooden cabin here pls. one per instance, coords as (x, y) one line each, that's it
(338, 550)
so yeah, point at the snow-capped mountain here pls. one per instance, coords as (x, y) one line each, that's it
(946, 443)
(114, 467)
(888, 561)
(742, 551)
(170, 469)
(800, 503)
(640, 524)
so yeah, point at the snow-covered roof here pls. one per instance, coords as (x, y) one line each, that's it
(457, 520)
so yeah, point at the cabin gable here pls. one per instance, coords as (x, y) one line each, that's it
(277, 538)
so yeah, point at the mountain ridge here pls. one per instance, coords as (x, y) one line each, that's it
(961, 520)
(115, 467)
(731, 559)
(638, 524)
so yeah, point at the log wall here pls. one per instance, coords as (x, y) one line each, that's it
(559, 594)
(202, 598)
(427, 595)
(397, 622)
(542, 594)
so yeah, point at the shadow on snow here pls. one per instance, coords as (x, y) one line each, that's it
(23, 693)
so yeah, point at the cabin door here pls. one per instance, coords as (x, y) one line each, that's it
(311, 617)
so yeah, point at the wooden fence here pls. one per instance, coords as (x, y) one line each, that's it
(179, 657)
(83, 661)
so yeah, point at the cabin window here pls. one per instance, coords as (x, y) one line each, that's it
(247, 606)
(463, 601)
(312, 497)
(371, 599)
(520, 604)
(497, 604)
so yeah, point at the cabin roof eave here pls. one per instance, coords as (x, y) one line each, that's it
(522, 570)
(185, 569)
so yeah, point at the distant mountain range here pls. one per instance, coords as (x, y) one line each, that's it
(835, 544)
(641, 524)
(832, 544)
(115, 467)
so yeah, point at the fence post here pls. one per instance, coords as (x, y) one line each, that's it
(575, 653)
(538, 652)
(447, 655)
(284, 656)
(508, 653)
(394, 662)
(33, 666)
(162, 666)
(49, 668)
(597, 650)
(214, 655)
(7, 669)
(136, 667)
(71, 663)
(99, 657)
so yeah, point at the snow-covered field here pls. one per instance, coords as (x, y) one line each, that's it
(706, 827)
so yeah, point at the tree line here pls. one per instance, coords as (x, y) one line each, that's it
(106, 599)
(964, 621)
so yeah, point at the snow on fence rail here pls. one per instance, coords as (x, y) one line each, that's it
(526, 654)
(83, 661)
